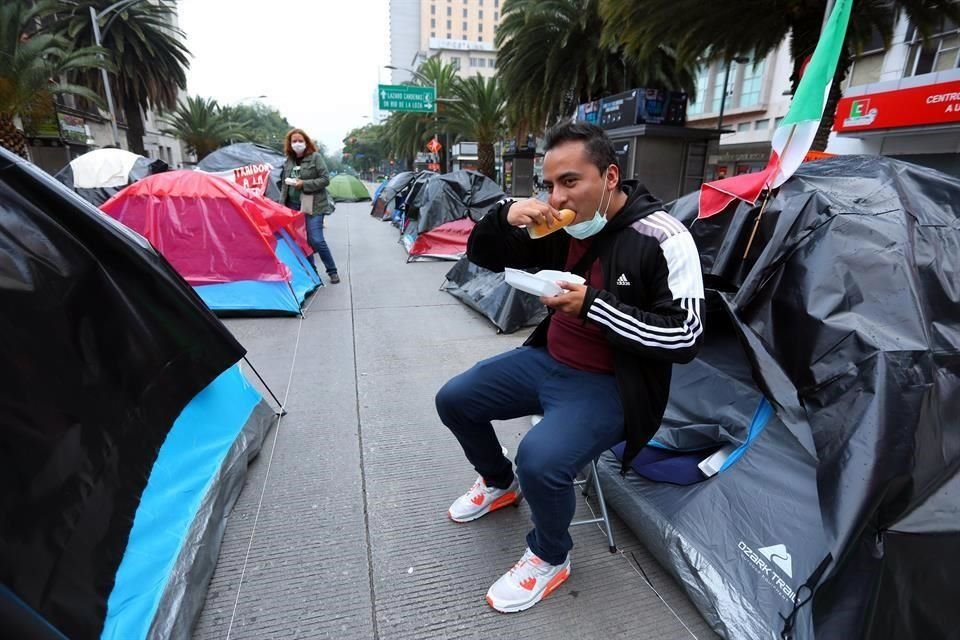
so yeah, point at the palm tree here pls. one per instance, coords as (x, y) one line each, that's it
(550, 58)
(745, 27)
(30, 60)
(149, 53)
(479, 116)
(202, 125)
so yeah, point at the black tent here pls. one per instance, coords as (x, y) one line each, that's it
(247, 155)
(386, 201)
(830, 381)
(441, 213)
(487, 293)
(128, 425)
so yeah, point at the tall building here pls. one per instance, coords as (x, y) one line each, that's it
(461, 32)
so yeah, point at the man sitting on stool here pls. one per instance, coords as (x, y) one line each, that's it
(597, 369)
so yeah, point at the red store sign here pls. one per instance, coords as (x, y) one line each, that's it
(930, 104)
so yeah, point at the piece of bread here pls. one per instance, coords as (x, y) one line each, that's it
(541, 229)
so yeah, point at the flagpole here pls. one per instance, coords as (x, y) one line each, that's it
(826, 15)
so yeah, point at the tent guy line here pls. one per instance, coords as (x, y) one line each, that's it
(266, 475)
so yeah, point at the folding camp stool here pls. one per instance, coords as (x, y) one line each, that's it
(592, 478)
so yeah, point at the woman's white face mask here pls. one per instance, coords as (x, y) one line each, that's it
(298, 147)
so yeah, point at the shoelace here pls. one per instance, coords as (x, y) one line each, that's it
(528, 566)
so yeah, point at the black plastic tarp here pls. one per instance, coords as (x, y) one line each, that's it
(486, 292)
(104, 344)
(243, 154)
(453, 196)
(847, 312)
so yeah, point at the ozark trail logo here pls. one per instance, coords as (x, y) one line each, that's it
(774, 564)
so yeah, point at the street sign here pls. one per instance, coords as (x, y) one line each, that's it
(401, 97)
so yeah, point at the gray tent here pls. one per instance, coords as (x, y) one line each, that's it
(247, 154)
(830, 380)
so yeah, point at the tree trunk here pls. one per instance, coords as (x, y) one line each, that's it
(833, 99)
(486, 160)
(12, 138)
(131, 111)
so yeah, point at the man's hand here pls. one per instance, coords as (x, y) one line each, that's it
(526, 213)
(570, 301)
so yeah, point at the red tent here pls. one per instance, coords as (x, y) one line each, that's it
(211, 230)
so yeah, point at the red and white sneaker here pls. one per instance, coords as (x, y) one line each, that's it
(530, 581)
(481, 500)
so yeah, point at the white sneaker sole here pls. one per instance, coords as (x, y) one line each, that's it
(554, 583)
(493, 506)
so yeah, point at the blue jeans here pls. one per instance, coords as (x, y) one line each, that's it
(315, 239)
(582, 417)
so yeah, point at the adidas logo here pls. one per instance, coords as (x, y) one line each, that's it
(622, 281)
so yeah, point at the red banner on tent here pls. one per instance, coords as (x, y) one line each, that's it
(253, 177)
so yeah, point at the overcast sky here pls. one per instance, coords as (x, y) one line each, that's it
(317, 61)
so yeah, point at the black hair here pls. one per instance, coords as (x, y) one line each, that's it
(595, 142)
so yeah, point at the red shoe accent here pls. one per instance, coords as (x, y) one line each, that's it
(504, 501)
(477, 499)
(558, 580)
(529, 583)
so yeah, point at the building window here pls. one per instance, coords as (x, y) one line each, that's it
(433, 9)
(751, 86)
(743, 126)
(703, 79)
(939, 53)
(449, 36)
(480, 38)
(482, 63)
(464, 29)
(449, 11)
(480, 14)
(455, 61)
(496, 16)
(496, 3)
(449, 24)
(473, 62)
(777, 121)
(762, 125)
(464, 12)
(433, 23)
(493, 63)
(721, 73)
(480, 27)
(433, 34)
(866, 69)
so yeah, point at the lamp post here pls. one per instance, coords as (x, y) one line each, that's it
(726, 81)
(95, 23)
(437, 99)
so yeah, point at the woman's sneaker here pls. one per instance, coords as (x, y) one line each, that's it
(481, 500)
(530, 581)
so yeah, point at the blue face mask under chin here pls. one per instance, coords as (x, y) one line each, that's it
(587, 228)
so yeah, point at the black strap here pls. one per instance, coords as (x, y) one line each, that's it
(803, 595)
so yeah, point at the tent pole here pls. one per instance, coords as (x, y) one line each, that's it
(283, 411)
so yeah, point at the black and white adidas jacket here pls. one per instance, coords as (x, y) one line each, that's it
(651, 305)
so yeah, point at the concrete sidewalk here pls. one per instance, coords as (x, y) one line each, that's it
(350, 492)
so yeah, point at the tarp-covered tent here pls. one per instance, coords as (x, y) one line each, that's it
(128, 425)
(390, 196)
(441, 214)
(487, 293)
(98, 175)
(251, 165)
(347, 188)
(241, 252)
(832, 363)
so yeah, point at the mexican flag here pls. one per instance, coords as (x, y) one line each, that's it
(792, 139)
